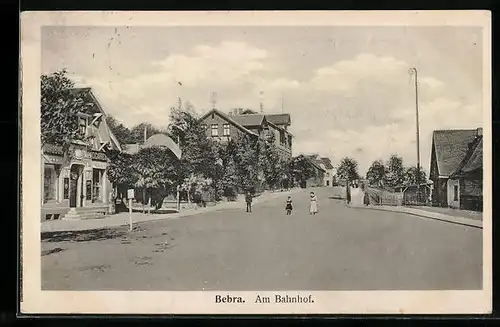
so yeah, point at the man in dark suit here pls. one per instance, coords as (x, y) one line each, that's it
(248, 200)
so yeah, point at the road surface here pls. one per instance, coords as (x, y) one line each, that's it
(340, 248)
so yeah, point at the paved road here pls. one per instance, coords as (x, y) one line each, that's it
(339, 249)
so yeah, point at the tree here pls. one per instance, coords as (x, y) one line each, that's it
(395, 171)
(156, 169)
(348, 169)
(270, 161)
(376, 173)
(301, 169)
(410, 175)
(60, 106)
(120, 131)
(137, 132)
(244, 150)
(120, 171)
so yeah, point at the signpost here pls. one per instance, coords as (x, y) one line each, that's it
(130, 196)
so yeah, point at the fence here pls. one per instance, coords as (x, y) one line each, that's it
(383, 197)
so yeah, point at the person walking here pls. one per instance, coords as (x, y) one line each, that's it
(313, 206)
(288, 206)
(248, 200)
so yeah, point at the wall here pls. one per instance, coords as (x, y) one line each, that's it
(453, 202)
(216, 119)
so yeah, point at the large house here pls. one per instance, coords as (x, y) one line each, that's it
(319, 179)
(456, 168)
(75, 184)
(223, 127)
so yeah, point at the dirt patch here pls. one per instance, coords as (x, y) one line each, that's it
(54, 250)
(83, 236)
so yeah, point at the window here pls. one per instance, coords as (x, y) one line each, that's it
(204, 127)
(215, 130)
(455, 193)
(96, 186)
(226, 130)
(282, 138)
(82, 125)
(50, 183)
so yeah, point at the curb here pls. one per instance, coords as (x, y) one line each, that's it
(464, 221)
(229, 206)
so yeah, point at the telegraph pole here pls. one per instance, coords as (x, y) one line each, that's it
(413, 71)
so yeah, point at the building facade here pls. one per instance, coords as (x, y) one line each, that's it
(223, 127)
(456, 169)
(74, 183)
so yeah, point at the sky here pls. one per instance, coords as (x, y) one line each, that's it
(347, 89)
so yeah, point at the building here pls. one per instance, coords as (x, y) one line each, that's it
(328, 171)
(75, 184)
(456, 168)
(319, 176)
(223, 127)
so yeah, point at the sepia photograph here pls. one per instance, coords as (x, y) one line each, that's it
(256, 162)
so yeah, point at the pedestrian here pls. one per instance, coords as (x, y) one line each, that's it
(313, 206)
(248, 200)
(288, 206)
(348, 195)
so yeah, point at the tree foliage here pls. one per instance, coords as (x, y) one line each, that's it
(348, 169)
(270, 162)
(410, 176)
(301, 169)
(245, 150)
(60, 106)
(376, 173)
(395, 171)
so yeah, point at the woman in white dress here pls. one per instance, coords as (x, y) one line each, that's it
(313, 206)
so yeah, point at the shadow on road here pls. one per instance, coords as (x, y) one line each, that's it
(83, 236)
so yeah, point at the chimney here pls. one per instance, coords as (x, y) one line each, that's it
(479, 132)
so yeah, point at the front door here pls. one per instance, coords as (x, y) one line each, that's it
(73, 185)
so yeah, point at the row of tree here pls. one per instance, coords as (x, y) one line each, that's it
(393, 173)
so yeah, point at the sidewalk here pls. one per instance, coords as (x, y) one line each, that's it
(122, 218)
(427, 214)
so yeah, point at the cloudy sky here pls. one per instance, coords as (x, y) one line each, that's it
(347, 88)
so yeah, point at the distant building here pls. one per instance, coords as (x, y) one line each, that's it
(318, 180)
(223, 127)
(75, 184)
(329, 171)
(456, 168)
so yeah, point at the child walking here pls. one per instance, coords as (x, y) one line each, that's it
(288, 206)
(313, 206)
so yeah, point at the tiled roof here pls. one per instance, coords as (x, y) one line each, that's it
(228, 119)
(315, 161)
(249, 119)
(327, 163)
(451, 147)
(474, 161)
(279, 119)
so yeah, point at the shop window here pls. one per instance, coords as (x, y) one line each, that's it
(455, 193)
(66, 188)
(97, 183)
(50, 179)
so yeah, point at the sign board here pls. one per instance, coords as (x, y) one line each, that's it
(130, 193)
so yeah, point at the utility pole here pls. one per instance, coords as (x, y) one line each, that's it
(413, 71)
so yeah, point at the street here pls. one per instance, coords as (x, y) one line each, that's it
(340, 248)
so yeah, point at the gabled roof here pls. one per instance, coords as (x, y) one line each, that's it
(249, 119)
(315, 161)
(473, 161)
(279, 119)
(327, 163)
(451, 146)
(228, 119)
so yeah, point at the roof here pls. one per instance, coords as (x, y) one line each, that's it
(163, 140)
(279, 119)
(451, 147)
(327, 163)
(249, 119)
(315, 161)
(473, 161)
(228, 119)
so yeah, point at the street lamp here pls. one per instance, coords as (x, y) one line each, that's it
(413, 71)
